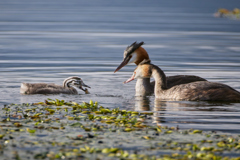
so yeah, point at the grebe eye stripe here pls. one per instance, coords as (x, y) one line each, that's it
(70, 80)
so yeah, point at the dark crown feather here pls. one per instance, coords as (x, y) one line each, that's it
(130, 49)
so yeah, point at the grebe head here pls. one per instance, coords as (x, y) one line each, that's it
(133, 54)
(75, 81)
(143, 70)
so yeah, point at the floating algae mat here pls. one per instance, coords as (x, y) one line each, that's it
(56, 129)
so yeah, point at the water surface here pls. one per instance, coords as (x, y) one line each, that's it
(49, 41)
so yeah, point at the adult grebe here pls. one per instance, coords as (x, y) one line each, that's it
(136, 54)
(195, 91)
(44, 88)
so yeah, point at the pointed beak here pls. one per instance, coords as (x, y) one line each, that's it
(130, 79)
(124, 62)
(83, 85)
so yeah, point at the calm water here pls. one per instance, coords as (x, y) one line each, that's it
(48, 41)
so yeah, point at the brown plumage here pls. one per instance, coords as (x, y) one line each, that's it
(136, 54)
(195, 91)
(44, 88)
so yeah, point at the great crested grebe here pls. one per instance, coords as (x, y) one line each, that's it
(45, 88)
(136, 54)
(195, 91)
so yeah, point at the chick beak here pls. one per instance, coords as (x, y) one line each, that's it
(124, 62)
(83, 85)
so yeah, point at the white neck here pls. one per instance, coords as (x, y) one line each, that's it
(143, 87)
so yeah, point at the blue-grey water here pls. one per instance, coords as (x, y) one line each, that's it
(48, 41)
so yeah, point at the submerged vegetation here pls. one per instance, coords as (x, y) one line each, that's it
(56, 129)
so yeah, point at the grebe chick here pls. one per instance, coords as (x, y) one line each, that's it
(45, 88)
(136, 54)
(195, 91)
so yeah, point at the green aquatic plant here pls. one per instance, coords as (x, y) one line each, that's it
(68, 130)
